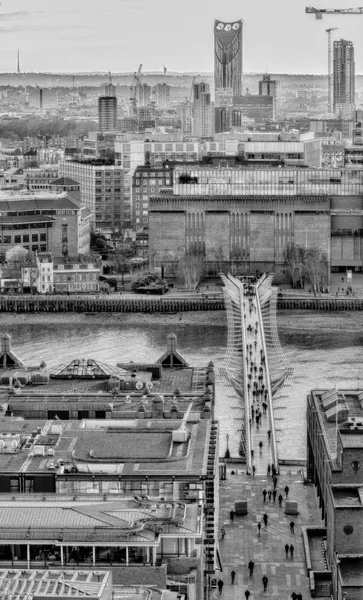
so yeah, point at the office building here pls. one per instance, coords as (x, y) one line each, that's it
(343, 78)
(243, 217)
(228, 58)
(44, 222)
(107, 113)
(101, 190)
(258, 108)
(202, 110)
(268, 86)
(110, 90)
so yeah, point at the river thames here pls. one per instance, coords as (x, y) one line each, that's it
(324, 349)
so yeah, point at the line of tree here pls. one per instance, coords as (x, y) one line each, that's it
(306, 264)
(41, 127)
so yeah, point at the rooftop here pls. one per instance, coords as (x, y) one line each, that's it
(349, 417)
(27, 585)
(114, 447)
(347, 496)
(95, 518)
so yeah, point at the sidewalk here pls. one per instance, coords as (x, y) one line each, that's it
(242, 542)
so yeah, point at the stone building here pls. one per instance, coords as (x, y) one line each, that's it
(335, 460)
(44, 221)
(241, 219)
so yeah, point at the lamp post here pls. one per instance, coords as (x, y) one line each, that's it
(227, 453)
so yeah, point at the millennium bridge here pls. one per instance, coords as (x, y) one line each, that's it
(256, 368)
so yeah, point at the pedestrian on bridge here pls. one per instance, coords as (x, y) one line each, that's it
(233, 575)
(247, 594)
(274, 495)
(292, 526)
(292, 551)
(255, 345)
(265, 519)
(287, 550)
(251, 566)
(231, 515)
(264, 494)
(280, 499)
(265, 582)
(259, 527)
(269, 434)
(269, 495)
(260, 444)
(286, 489)
(268, 469)
(253, 470)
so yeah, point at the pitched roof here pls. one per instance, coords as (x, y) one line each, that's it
(64, 181)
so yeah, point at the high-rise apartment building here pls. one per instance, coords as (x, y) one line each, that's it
(343, 77)
(268, 86)
(162, 95)
(227, 59)
(107, 113)
(202, 120)
(101, 186)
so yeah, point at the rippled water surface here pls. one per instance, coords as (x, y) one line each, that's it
(323, 351)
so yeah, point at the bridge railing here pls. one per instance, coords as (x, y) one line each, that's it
(268, 379)
(245, 381)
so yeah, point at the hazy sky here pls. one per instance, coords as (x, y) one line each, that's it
(117, 35)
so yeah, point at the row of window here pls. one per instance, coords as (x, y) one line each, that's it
(18, 239)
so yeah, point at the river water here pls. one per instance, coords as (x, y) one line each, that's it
(324, 349)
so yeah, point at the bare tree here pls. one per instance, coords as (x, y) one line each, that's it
(316, 268)
(191, 268)
(219, 256)
(27, 269)
(294, 259)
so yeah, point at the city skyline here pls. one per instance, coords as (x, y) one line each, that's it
(118, 35)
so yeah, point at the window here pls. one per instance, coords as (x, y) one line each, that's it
(7, 239)
(35, 237)
(43, 237)
(144, 212)
(14, 485)
(17, 239)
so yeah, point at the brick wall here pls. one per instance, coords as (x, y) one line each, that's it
(352, 543)
(166, 235)
(262, 236)
(312, 229)
(217, 235)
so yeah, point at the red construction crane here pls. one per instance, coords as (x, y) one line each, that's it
(319, 12)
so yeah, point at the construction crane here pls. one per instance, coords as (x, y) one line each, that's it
(330, 78)
(319, 12)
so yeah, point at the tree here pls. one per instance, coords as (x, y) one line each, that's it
(219, 256)
(316, 268)
(27, 269)
(294, 259)
(191, 268)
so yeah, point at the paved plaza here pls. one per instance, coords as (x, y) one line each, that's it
(243, 543)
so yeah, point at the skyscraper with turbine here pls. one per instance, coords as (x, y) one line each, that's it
(228, 61)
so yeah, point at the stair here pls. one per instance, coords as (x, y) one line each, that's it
(322, 588)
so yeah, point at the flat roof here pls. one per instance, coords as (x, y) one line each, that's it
(351, 571)
(26, 219)
(347, 496)
(352, 438)
(136, 447)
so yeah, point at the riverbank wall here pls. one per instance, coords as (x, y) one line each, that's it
(81, 304)
(165, 305)
(323, 304)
